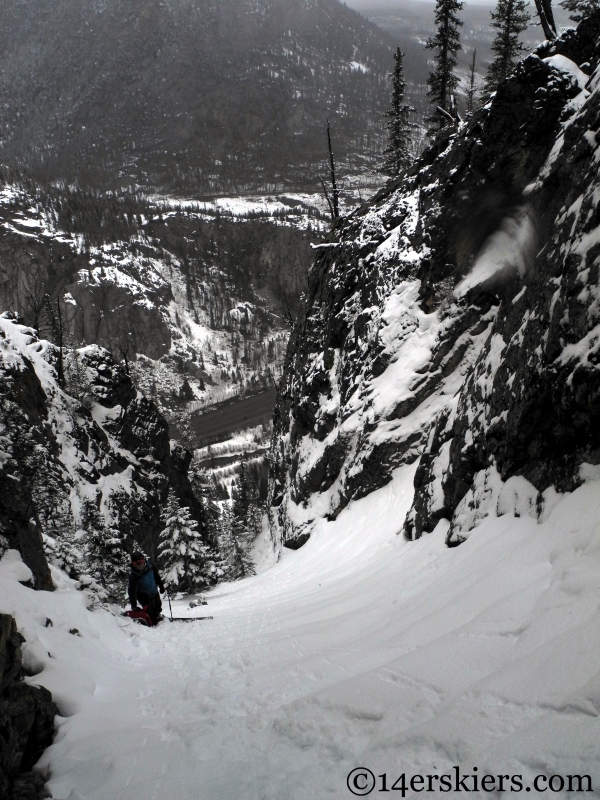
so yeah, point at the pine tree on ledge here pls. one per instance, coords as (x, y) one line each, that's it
(236, 560)
(510, 19)
(443, 80)
(397, 154)
(185, 559)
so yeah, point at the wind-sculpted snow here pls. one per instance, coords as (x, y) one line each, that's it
(454, 318)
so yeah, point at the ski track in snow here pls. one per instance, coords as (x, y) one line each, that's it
(360, 649)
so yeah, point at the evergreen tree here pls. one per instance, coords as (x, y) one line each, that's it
(186, 560)
(206, 491)
(580, 8)
(247, 507)
(63, 544)
(236, 561)
(106, 555)
(77, 383)
(510, 19)
(397, 154)
(255, 519)
(472, 90)
(443, 80)
(242, 496)
(238, 528)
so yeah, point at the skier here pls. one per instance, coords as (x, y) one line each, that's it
(144, 585)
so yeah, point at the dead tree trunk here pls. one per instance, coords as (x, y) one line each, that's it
(544, 11)
(335, 195)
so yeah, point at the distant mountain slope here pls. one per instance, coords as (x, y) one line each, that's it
(204, 95)
(411, 22)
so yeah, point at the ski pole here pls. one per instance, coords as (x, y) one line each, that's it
(170, 609)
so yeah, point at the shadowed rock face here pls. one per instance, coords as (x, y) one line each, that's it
(105, 313)
(451, 317)
(530, 406)
(26, 721)
(23, 409)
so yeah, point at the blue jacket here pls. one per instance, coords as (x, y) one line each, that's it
(145, 582)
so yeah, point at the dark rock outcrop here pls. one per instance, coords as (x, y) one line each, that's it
(530, 407)
(96, 438)
(453, 317)
(26, 721)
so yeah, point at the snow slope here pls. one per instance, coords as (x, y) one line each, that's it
(359, 650)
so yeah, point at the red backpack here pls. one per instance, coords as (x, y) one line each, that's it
(141, 617)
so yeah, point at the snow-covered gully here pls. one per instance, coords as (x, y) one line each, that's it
(359, 650)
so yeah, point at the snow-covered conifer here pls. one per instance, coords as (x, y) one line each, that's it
(106, 555)
(205, 490)
(234, 547)
(185, 559)
(77, 383)
(397, 156)
(242, 495)
(443, 80)
(510, 19)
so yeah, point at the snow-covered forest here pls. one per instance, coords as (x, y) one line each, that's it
(389, 581)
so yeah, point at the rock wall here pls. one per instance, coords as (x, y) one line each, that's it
(26, 721)
(453, 317)
(92, 437)
(194, 302)
(530, 407)
(107, 311)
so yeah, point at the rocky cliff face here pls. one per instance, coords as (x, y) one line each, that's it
(456, 318)
(90, 437)
(26, 721)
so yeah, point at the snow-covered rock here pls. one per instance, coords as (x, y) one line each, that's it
(455, 318)
(90, 436)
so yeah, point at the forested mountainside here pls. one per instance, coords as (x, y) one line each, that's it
(196, 95)
(456, 318)
(200, 298)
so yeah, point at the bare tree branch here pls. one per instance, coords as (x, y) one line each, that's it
(334, 190)
(327, 197)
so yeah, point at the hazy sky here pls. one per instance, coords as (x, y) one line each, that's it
(365, 6)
